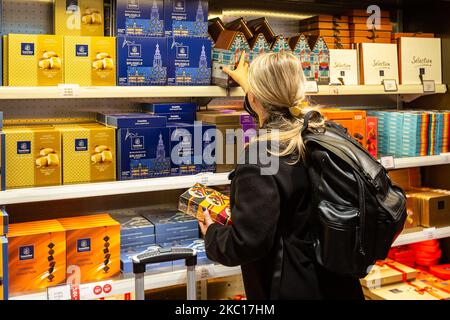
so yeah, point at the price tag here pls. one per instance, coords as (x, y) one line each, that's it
(429, 86)
(69, 90)
(335, 90)
(445, 156)
(390, 85)
(388, 162)
(96, 290)
(429, 233)
(59, 293)
(311, 87)
(203, 178)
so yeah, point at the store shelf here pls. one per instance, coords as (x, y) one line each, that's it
(402, 163)
(29, 195)
(327, 90)
(408, 237)
(76, 92)
(153, 281)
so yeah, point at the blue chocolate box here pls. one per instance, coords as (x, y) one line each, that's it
(186, 18)
(143, 153)
(141, 61)
(144, 18)
(188, 61)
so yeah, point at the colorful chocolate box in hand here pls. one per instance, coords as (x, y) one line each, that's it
(143, 18)
(198, 198)
(186, 18)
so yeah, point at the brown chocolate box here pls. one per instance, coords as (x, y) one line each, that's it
(240, 25)
(261, 25)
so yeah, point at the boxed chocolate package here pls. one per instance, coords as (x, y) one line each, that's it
(388, 272)
(141, 61)
(186, 18)
(344, 66)
(93, 245)
(144, 18)
(420, 58)
(378, 61)
(192, 148)
(415, 290)
(171, 225)
(37, 255)
(79, 18)
(200, 197)
(188, 61)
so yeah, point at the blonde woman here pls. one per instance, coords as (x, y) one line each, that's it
(266, 207)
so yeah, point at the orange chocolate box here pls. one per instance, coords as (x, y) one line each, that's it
(93, 246)
(37, 255)
(353, 120)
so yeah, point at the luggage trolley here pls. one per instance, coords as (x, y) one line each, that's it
(140, 261)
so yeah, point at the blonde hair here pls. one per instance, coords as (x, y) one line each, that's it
(277, 81)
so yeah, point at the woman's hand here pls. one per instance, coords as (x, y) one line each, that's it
(240, 74)
(204, 225)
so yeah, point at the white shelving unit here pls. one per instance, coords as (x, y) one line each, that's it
(330, 90)
(76, 92)
(79, 191)
(153, 281)
(403, 163)
(422, 235)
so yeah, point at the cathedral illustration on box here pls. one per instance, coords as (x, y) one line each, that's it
(197, 28)
(320, 60)
(153, 27)
(195, 76)
(145, 76)
(300, 48)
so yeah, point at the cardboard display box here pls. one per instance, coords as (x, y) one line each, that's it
(301, 49)
(226, 53)
(435, 208)
(89, 153)
(344, 65)
(335, 33)
(215, 27)
(258, 45)
(93, 245)
(372, 136)
(35, 152)
(323, 26)
(240, 25)
(407, 179)
(192, 148)
(171, 225)
(398, 35)
(132, 120)
(415, 290)
(387, 272)
(186, 18)
(175, 107)
(420, 57)
(199, 197)
(353, 120)
(90, 61)
(33, 60)
(188, 61)
(320, 60)
(79, 18)
(143, 153)
(141, 61)
(143, 18)
(378, 61)
(228, 141)
(37, 255)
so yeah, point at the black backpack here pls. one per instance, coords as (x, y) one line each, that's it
(357, 212)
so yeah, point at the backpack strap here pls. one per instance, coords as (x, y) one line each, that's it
(308, 116)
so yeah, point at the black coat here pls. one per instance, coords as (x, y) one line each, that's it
(263, 207)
